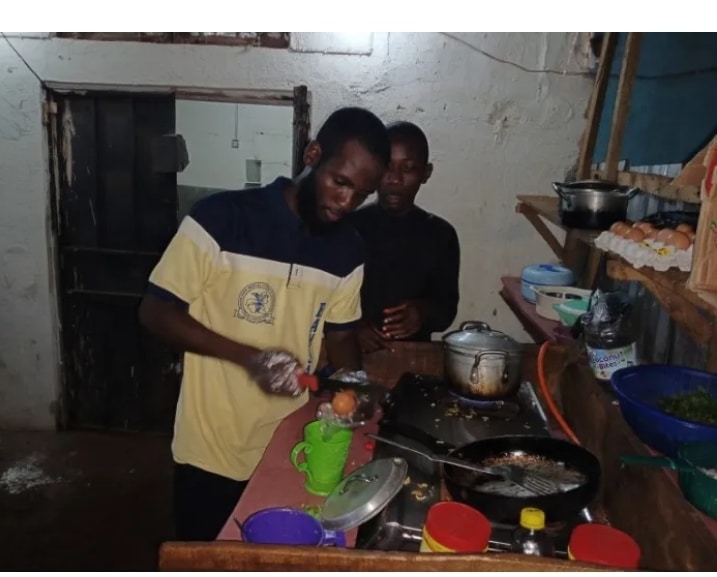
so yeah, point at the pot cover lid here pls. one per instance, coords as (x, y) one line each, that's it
(479, 336)
(363, 494)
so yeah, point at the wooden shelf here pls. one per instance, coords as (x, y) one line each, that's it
(547, 207)
(670, 289)
(539, 328)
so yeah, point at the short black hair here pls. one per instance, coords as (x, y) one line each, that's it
(403, 130)
(353, 123)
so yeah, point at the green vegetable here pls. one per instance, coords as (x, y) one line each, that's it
(698, 406)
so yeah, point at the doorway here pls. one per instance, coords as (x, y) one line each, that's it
(117, 165)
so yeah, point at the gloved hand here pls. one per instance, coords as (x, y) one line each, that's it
(276, 372)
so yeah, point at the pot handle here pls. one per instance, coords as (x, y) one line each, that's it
(479, 326)
(334, 539)
(558, 188)
(475, 377)
(632, 192)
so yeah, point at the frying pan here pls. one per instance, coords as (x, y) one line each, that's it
(461, 483)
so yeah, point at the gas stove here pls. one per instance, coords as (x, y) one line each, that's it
(429, 404)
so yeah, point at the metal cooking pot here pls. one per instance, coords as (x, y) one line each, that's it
(481, 363)
(593, 204)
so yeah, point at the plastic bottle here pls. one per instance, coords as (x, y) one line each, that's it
(609, 335)
(530, 538)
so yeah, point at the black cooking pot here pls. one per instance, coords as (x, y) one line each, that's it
(463, 485)
(592, 204)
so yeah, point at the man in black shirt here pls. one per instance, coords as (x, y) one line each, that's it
(410, 287)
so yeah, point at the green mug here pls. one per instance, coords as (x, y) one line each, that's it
(325, 455)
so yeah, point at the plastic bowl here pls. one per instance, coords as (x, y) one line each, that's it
(570, 311)
(640, 388)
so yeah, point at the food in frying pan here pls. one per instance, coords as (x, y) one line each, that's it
(555, 471)
(698, 406)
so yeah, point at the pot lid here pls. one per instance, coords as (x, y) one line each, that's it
(474, 335)
(363, 494)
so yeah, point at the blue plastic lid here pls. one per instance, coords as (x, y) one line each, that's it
(548, 274)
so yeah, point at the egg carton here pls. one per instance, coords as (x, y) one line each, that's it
(650, 253)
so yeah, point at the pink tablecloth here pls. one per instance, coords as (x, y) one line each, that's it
(276, 483)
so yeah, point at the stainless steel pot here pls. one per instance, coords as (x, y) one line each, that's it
(481, 363)
(593, 204)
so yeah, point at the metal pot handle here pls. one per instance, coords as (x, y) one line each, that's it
(632, 192)
(475, 377)
(479, 326)
(557, 187)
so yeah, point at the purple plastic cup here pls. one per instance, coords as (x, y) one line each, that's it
(287, 526)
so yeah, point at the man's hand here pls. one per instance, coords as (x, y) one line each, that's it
(276, 372)
(403, 321)
(371, 340)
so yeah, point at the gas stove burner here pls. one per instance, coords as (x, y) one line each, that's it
(478, 403)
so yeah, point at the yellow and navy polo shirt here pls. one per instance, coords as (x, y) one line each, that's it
(247, 268)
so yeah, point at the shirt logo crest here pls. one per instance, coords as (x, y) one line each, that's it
(256, 303)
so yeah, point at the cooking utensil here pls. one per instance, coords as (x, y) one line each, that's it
(692, 464)
(464, 485)
(535, 484)
(481, 363)
(592, 204)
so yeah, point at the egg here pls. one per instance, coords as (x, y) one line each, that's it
(652, 234)
(644, 226)
(685, 228)
(616, 227)
(679, 240)
(664, 234)
(343, 403)
(691, 235)
(635, 235)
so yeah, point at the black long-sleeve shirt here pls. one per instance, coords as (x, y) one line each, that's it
(415, 256)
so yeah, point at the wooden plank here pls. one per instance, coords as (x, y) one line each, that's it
(658, 185)
(644, 502)
(547, 207)
(539, 328)
(622, 104)
(669, 289)
(542, 229)
(597, 99)
(238, 556)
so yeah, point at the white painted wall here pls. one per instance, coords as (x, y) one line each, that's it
(495, 131)
(264, 133)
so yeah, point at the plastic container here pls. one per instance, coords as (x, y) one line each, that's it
(544, 275)
(530, 538)
(609, 335)
(639, 389)
(603, 545)
(452, 527)
(287, 526)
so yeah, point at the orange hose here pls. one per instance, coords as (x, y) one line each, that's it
(548, 397)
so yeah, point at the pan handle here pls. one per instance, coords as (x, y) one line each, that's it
(660, 462)
(433, 444)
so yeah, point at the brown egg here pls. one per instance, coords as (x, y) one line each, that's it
(644, 226)
(679, 240)
(691, 235)
(616, 226)
(652, 234)
(635, 235)
(684, 228)
(344, 403)
(664, 234)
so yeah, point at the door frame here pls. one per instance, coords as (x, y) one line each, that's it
(298, 99)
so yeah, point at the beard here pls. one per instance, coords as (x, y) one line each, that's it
(308, 206)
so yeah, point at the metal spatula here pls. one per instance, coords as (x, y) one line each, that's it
(517, 475)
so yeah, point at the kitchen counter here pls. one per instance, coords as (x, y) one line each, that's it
(277, 483)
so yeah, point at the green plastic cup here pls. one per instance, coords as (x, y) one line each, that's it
(325, 454)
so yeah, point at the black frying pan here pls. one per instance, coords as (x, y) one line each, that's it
(462, 484)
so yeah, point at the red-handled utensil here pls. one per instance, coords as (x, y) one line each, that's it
(308, 381)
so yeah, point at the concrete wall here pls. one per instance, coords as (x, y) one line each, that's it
(495, 131)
